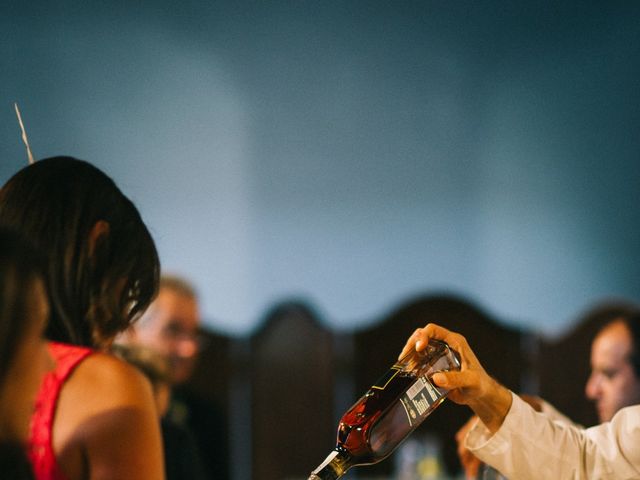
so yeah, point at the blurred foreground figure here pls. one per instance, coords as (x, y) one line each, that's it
(95, 416)
(171, 327)
(24, 357)
(524, 444)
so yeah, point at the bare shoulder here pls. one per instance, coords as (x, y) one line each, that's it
(105, 417)
(104, 379)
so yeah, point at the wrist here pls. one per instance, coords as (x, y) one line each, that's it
(493, 406)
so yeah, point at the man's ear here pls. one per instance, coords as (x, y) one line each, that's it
(99, 230)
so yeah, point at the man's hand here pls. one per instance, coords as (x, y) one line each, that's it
(470, 386)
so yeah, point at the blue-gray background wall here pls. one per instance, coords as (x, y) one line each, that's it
(352, 153)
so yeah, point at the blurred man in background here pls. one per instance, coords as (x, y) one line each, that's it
(171, 327)
(614, 382)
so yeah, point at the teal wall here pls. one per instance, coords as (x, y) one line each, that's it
(351, 153)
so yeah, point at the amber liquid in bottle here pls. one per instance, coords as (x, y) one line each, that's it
(390, 410)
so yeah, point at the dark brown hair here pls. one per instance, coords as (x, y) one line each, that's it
(20, 267)
(96, 292)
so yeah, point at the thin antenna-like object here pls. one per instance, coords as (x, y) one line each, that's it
(24, 135)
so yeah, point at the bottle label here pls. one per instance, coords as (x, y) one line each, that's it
(419, 399)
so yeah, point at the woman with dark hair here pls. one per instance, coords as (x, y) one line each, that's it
(95, 416)
(23, 355)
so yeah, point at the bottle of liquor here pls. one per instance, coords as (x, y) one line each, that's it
(390, 410)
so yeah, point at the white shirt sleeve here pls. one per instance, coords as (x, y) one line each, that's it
(530, 445)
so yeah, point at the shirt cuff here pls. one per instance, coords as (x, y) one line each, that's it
(479, 439)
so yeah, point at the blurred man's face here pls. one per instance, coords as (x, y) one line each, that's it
(170, 327)
(612, 384)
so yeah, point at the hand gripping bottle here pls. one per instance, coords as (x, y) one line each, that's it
(390, 410)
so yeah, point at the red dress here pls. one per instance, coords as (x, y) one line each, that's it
(40, 444)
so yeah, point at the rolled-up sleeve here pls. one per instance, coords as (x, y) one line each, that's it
(530, 445)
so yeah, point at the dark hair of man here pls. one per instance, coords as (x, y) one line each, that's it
(19, 269)
(96, 292)
(633, 324)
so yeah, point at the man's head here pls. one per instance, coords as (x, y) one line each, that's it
(615, 367)
(170, 326)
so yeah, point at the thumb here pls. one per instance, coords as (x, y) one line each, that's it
(449, 380)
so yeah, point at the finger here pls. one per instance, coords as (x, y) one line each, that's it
(411, 343)
(433, 330)
(420, 337)
(454, 340)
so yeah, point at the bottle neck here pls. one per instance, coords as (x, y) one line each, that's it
(333, 467)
